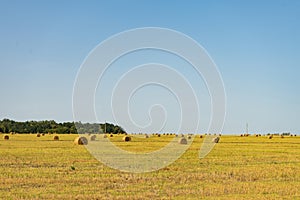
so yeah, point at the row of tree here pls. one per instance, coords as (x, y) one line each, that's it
(50, 126)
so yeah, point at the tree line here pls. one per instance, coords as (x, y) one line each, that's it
(51, 126)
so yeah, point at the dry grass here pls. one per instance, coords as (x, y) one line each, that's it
(237, 168)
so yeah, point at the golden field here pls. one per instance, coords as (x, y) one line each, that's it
(237, 168)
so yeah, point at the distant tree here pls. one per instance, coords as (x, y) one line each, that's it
(51, 126)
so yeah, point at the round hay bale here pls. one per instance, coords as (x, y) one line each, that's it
(182, 141)
(282, 136)
(189, 137)
(216, 140)
(81, 141)
(146, 136)
(158, 135)
(56, 138)
(104, 136)
(93, 138)
(270, 137)
(241, 135)
(111, 135)
(43, 134)
(6, 137)
(38, 135)
(126, 138)
(201, 136)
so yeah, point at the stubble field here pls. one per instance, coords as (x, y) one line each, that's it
(237, 168)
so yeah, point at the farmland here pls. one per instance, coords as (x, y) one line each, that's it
(237, 168)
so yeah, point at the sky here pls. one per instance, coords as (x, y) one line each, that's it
(255, 45)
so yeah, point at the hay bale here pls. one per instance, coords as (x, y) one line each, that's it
(270, 137)
(43, 134)
(282, 136)
(93, 138)
(146, 136)
(201, 136)
(6, 137)
(111, 135)
(241, 135)
(216, 140)
(182, 141)
(56, 138)
(81, 141)
(104, 136)
(38, 135)
(189, 137)
(126, 138)
(158, 135)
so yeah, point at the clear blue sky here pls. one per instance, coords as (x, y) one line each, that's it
(255, 45)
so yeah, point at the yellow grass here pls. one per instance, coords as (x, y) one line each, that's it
(237, 168)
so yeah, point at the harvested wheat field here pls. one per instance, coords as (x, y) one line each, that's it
(237, 168)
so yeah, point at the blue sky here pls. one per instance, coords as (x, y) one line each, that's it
(255, 45)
